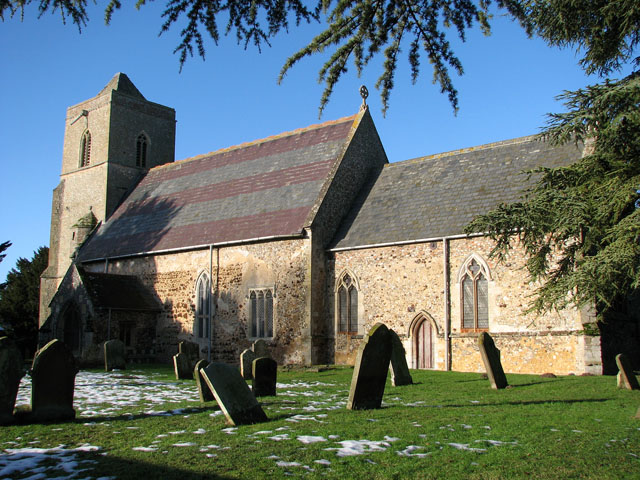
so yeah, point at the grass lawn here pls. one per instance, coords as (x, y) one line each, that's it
(142, 424)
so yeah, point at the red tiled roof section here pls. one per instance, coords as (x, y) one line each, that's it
(260, 189)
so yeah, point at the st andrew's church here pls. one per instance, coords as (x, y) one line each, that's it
(305, 239)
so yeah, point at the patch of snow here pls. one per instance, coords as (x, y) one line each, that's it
(408, 452)
(359, 447)
(311, 439)
(465, 446)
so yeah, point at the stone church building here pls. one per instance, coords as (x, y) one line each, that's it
(305, 239)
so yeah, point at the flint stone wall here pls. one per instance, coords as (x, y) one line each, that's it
(398, 283)
(281, 265)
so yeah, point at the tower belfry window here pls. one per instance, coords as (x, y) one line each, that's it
(85, 149)
(141, 150)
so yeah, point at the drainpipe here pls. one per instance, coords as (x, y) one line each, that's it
(210, 303)
(447, 304)
(109, 326)
(106, 265)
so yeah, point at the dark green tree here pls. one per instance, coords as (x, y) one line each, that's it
(3, 247)
(19, 300)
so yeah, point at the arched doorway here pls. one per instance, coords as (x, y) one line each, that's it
(72, 332)
(423, 346)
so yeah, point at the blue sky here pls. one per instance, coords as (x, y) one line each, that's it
(509, 85)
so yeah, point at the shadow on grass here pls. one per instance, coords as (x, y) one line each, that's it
(128, 417)
(532, 402)
(126, 468)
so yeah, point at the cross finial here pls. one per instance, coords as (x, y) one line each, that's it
(364, 93)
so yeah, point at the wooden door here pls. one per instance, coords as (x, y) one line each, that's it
(424, 354)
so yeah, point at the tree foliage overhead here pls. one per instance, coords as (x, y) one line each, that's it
(359, 31)
(580, 224)
(19, 300)
(3, 247)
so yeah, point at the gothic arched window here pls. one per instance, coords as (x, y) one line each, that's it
(261, 311)
(85, 149)
(474, 295)
(347, 304)
(203, 306)
(142, 144)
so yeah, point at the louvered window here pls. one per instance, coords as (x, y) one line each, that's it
(347, 307)
(261, 311)
(85, 149)
(141, 151)
(474, 297)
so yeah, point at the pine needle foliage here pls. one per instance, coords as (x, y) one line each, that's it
(580, 225)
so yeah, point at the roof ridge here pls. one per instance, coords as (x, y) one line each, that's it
(256, 142)
(460, 151)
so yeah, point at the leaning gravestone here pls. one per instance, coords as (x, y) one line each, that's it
(53, 376)
(204, 392)
(626, 377)
(370, 371)
(11, 371)
(491, 359)
(399, 369)
(265, 376)
(233, 395)
(114, 355)
(246, 363)
(260, 348)
(182, 366)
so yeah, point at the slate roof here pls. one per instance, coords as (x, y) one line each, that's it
(118, 292)
(436, 196)
(265, 188)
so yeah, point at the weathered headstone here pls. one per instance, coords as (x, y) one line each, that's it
(204, 392)
(233, 395)
(182, 366)
(626, 378)
(260, 348)
(370, 371)
(114, 355)
(399, 369)
(265, 377)
(191, 350)
(53, 376)
(491, 359)
(246, 364)
(11, 371)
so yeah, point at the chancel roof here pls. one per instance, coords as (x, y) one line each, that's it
(266, 188)
(436, 196)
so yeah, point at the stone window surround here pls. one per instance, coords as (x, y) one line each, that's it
(203, 306)
(142, 149)
(355, 284)
(265, 318)
(462, 273)
(85, 149)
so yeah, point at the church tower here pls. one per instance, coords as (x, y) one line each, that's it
(110, 142)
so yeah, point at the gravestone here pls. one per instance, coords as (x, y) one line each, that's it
(11, 371)
(191, 350)
(182, 366)
(114, 355)
(53, 376)
(399, 369)
(265, 377)
(626, 378)
(370, 371)
(260, 348)
(232, 393)
(491, 359)
(204, 392)
(246, 364)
